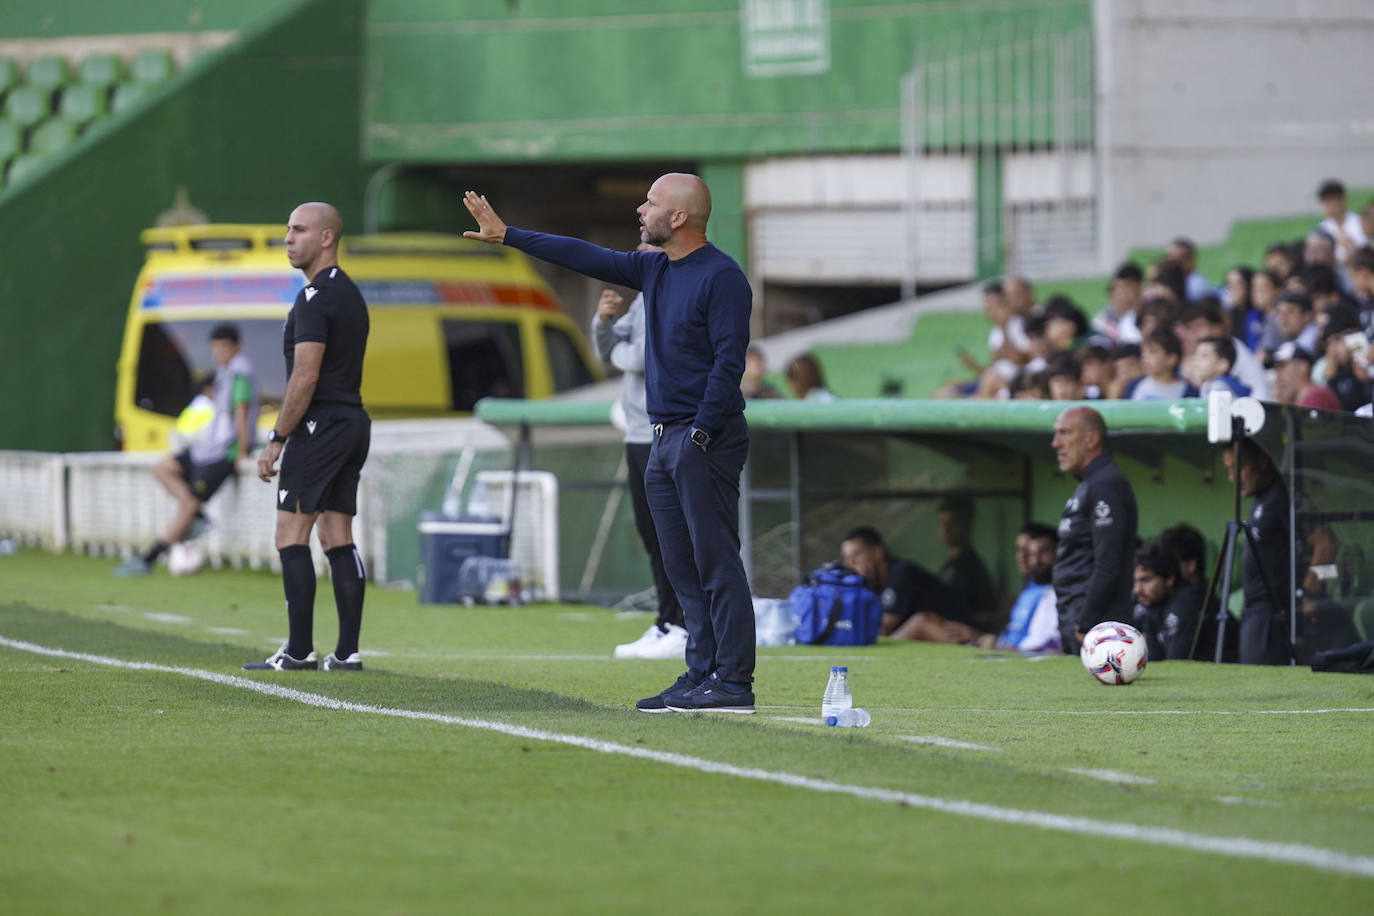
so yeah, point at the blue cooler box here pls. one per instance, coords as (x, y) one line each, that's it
(445, 542)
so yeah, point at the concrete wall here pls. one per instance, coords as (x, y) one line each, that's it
(1213, 111)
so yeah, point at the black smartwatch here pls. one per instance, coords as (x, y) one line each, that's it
(700, 437)
(275, 436)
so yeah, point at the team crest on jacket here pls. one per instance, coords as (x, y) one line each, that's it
(1103, 513)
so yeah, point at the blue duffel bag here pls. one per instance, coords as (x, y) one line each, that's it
(833, 608)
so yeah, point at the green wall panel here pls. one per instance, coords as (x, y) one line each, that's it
(460, 82)
(63, 18)
(249, 133)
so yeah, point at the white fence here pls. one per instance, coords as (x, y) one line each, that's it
(109, 504)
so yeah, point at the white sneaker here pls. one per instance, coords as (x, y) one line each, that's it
(637, 648)
(671, 644)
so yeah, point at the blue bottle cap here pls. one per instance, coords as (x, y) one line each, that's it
(835, 669)
(832, 720)
(841, 668)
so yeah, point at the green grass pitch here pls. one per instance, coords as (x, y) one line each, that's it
(974, 790)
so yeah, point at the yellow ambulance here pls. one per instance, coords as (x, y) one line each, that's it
(452, 321)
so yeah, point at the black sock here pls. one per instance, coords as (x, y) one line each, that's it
(298, 581)
(154, 552)
(350, 583)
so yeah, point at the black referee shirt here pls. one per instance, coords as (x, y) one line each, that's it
(330, 311)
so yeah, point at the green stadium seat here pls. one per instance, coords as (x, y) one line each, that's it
(82, 103)
(9, 75)
(126, 94)
(24, 165)
(52, 136)
(50, 72)
(101, 70)
(152, 66)
(11, 141)
(27, 105)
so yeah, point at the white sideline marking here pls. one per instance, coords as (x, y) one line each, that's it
(168, 618)
(1167, 712)
(1329, 860)
(937, 741)
(1237, 800)
(1125, 779)
(804, 720)
(229, 631)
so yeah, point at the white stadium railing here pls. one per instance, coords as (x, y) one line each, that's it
(109, 503)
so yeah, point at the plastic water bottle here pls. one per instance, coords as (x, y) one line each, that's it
(837, 696)
(850, 718)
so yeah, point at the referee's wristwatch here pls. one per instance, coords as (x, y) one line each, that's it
(275, 436)
(700, 437)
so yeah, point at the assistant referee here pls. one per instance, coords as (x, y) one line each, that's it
(696, 307)
(326, 434)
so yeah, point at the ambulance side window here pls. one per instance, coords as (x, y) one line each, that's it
(484, 360)
(569, 371)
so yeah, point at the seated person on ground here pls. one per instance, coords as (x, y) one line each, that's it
(1166, 608)
(964, 572)
(1034, 624)
(1189, 548)
(915, 602)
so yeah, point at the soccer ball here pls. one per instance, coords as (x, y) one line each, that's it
(1114, 653)
(185, 558)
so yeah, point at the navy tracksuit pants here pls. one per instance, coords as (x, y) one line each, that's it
(694, 498)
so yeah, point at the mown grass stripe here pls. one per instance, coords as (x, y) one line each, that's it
(1328, 860)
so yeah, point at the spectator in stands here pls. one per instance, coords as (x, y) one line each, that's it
(1126, 371)
(1095, 368)
(1160, 356)
(1034, 623)
(805, 379)
(1008, 348)
(1065, 324)
(963, 571)
(1189, 548)
(1183, 252)
(1040, 351)
(1281, 261)
(753, 383)
(1117, 320)
(1167, 609)
(916, 604)
(1345, 227)
(1346, 366)
(1065, 378)
(1157, 313)
(1293, 380)
(1020, 296)
(1206, 318)
(1247, 322)
(196, 474)
(1367, 221)
(1361, 268)
(1212, 362)
(1296, 323)
(1166, 281)
(1097, 532)
(1265, 288)
(1324, 289)
(1031, 386)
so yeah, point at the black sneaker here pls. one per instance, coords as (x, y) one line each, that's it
(712, 696)
(659, 702)
(333, 663)
(280, 661)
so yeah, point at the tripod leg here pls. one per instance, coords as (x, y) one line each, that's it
(1228, 556)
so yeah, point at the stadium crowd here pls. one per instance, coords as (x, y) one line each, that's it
(1294, 329)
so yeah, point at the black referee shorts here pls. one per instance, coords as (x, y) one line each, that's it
(321, 464)
(204, 479)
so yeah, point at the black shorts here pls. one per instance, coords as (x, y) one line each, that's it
(322, 461)
(204, 479)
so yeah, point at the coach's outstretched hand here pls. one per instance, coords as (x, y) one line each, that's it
(489, 225)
